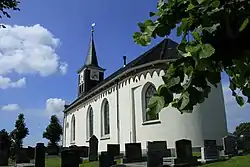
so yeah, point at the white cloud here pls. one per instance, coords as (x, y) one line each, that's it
(55, 106)
(29, 50)
(6, 82)
(11, 107)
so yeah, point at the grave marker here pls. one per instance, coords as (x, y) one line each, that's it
(93, 149)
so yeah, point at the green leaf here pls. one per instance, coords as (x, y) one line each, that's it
(244, 24)
(171, 82)
(215, 4)
(151, 14)
(207, 50)
(193, 48)
(160, 4)
(156, 103)
(184, 100)
(212, 28)
(240, 100)
(190, 7)
(166, 93)
(201, 1)
(196, 36)
(153, 101)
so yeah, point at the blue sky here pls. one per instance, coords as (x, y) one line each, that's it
(57, 34)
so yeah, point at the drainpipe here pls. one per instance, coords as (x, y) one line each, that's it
(117, 113)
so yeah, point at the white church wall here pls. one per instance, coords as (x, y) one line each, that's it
(173, 126)
(207, 121)
(81, 113)
(214, 116)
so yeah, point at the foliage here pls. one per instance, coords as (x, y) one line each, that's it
(214, 37)
(6, 5)
(20, 131)
(5, 140)
(242, 128)
(53, 131)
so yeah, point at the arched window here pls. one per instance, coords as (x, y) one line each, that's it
(149, 92)
(73, 128)
(90, 123)
(105, 118)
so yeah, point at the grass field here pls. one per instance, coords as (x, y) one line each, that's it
(240, 161)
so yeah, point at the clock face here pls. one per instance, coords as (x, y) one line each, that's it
(94, 75)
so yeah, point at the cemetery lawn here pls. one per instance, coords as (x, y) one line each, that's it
(240, 161)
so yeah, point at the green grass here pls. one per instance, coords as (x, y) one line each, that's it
(240, 161)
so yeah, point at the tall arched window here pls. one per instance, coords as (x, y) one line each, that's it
(105, 118)
(90, 121)
(73, 128)
(149, 92)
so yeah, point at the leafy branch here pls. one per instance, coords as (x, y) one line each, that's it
(219, 31)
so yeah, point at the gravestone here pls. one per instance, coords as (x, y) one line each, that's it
(40, 155)
(4, 151)
(4, 157)
(70, 158)
(22, 156)
(52, 150)
(133, 152)
(184, 153)
(230, 145)
(106, 159)
(154, 158)
(113, 149)
(31, 152)
(210, 149)
(93, 149)
(159, 146)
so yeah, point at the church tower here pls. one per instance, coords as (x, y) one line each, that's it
(90, 74)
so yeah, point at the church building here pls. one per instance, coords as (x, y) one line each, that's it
(114, 108)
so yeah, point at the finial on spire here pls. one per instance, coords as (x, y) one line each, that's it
(92, 27)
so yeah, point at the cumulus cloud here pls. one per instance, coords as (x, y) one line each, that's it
(6, 82)
(10, 107)
(55, 106)
(29, 50)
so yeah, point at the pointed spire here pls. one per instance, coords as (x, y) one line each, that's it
(91, 58)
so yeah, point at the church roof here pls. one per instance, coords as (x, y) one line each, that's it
(91, 58)
(165, 50)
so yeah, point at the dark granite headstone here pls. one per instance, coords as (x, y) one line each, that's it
(106, 160)
(40, 155)
(113, 149)
(159, 146)
(184, 152)
(83, 151)
(93, 149)
(4, 158)
(133, 152)
(52, 150)
(70, 158)
(230, 145)
(183, 149)
(4, 151)
(154, 159)
(22, 156)
(31, 152)
(210, 149)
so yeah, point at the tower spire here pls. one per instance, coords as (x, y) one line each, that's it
(91, 58)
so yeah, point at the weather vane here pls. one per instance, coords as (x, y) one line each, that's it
(92, 27)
